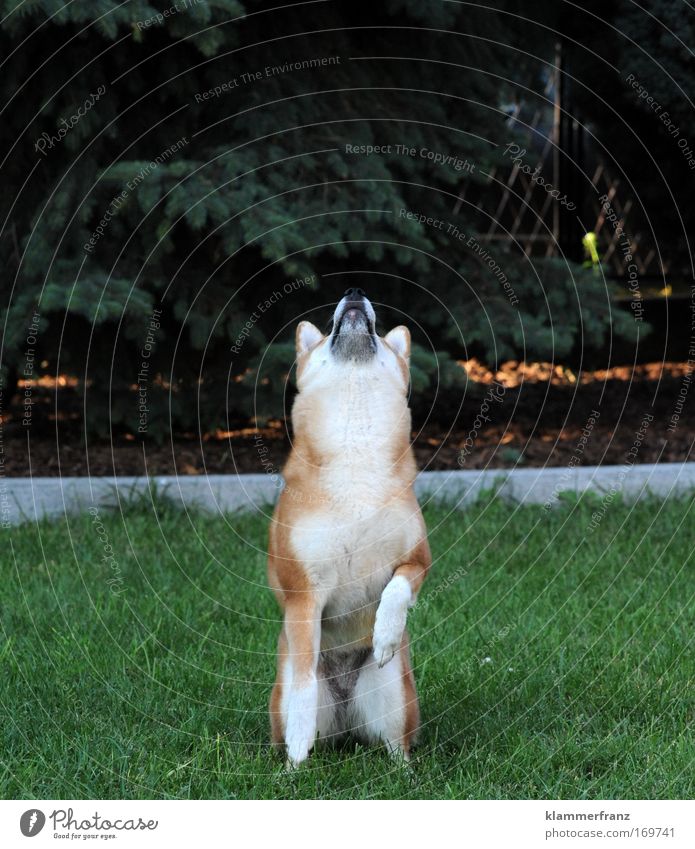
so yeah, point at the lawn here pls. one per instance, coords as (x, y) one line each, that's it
(552, 659)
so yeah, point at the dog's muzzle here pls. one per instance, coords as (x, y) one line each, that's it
(353, 336)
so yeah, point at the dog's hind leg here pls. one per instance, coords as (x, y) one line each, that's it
(384, 706)
(328, 727)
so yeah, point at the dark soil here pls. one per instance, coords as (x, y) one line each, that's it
(544, 416)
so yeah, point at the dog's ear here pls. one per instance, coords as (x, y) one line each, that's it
(307, 336)
(398, 341)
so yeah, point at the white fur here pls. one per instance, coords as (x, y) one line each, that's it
(357, 413)
(300, 729)
(390, 618)
(322, 372)
(308, 335)
(399, 340)
(378, 708)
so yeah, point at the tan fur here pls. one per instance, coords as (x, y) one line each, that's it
(412, 712)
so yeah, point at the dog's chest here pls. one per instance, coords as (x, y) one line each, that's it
(362, 523)
(348, 563)
(353, 549)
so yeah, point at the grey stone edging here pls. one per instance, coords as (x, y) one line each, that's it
(25, 499)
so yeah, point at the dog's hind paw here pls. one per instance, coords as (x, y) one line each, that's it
(297, 751)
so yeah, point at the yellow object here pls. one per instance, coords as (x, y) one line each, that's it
(590, 249)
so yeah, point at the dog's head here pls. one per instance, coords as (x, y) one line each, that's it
(352, 343)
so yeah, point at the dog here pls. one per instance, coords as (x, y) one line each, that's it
(348, 548)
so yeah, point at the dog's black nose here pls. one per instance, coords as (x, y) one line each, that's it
(353, 294)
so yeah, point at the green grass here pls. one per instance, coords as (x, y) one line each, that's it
(555, 663)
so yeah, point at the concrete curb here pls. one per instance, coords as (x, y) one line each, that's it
(27, 499)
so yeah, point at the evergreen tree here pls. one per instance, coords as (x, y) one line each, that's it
(172, 170)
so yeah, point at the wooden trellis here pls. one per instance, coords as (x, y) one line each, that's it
(616, 237)
(518, 210)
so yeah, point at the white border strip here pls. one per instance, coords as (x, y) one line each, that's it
(26, 499)
(526, 824)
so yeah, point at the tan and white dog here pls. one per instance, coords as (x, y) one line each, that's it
(348, 546)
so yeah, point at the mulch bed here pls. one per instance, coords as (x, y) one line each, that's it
(544, 418)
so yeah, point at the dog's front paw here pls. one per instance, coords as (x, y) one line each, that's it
(390, 619)
(388, 632)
